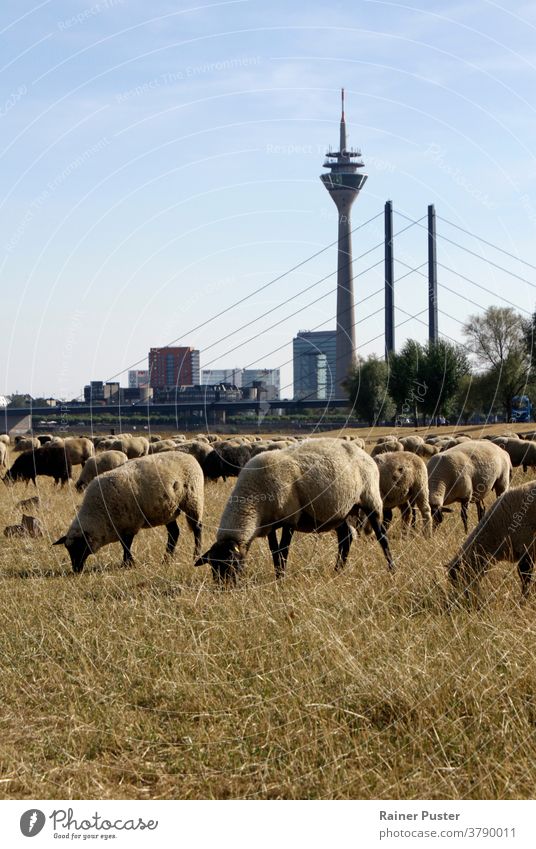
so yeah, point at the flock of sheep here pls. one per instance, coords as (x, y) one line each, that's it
(288, 485)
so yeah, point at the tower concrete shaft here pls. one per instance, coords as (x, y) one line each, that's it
(344, 184)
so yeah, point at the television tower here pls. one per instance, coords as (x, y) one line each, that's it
(344, 184)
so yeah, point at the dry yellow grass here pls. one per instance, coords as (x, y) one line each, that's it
(150, 683)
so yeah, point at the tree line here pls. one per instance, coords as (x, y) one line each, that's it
(423, 382)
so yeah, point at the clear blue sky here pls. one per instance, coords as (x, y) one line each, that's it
(161, 160)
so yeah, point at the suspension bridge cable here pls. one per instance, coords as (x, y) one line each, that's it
(490, 244)
(250, 295)
(473, 253)
(468, 280)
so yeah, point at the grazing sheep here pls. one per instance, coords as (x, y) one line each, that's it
(383, 447)
(154, 437)
(4, 438)
(26, 443)
(3, 455)
(199, 450)
(312, 487)
(132, 446)
(410, 443)
(521, 453)
(465, 473)
(95, 466)
(404, 484)
(426, 451)
(144, 493)
(78, 449)
(162, 445)
(44, 438)
(506, 532)
(390, 437)
(226, 460)
(50, 460)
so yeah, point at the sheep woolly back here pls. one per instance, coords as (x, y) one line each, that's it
(145, 492)
(506, 531)
(319, 480)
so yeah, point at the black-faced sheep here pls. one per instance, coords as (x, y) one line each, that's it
(143, 493)
(226, 460)
(506, 532)
(95, 466)
(467, 473)
(312, 487)
(50, 460)
(26, 443)
(521, 452)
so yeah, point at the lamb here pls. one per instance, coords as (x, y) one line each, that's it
(507, 532)
(50, 460)
(95, 466)
(143, 493)
(312, 487)
(3, 455)
(404, 484)
(466, 473)
(383, 447)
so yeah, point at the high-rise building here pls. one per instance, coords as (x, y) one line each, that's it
(263, 378)
(138, 378)
(344, 185)
(169, 367)
(314, 364)
(215, 376)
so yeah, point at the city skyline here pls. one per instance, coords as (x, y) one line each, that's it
(158, 167)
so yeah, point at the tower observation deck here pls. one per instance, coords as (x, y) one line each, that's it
(344, 183)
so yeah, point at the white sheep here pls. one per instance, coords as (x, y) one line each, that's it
(426, 451)
(506, 532)
(3, 455)
(467, 473)
(4, 437)
(143, 493)
(404, 484)
(78, 449)
(95, 466)
(312, 487)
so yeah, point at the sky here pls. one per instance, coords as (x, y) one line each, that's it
(159, 162)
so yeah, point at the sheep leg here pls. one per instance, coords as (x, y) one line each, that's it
(387, 517)
(280, 549)
(464, 516)
(524, 568)
(407, 518)
(480, 509)
(344, 541)
(126, 542)
(381, 536)
(197, 530)
(173, 532)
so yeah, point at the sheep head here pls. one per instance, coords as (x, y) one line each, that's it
(226, 559)
(79, 545)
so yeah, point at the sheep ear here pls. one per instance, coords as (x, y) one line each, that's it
(204, 559)
(60, 541)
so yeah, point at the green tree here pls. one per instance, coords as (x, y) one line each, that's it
(406, 380)
(366, 386)
(443, 365)
(499, 341)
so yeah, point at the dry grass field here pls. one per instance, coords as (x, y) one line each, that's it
(151, 683)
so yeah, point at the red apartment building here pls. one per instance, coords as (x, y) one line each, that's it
(170, 367)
